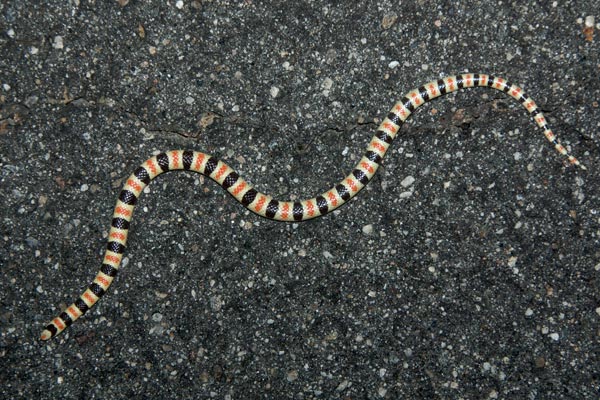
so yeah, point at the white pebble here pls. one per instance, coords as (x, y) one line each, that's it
(342, 386)
(6, 88)
(58, 42)
(84, 187)
(517, 156)
(179, 4)
(393, 64)
(190, 100)
(597, 267)
(367, 229)
(528, 312)
(589, 21)
(406, 182)
(157, 317)
(554, 336)
(512, 261)
(405, 195)
(598, 310)
(327, 254)
(34, 50)
(11, 33)
(327, 83)
(518, 225)
(274, 91)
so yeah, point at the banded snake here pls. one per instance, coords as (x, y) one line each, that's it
(263, 204)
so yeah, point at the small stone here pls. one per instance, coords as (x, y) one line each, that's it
(292, 375)
(11, 33)
(589, 21)
(342, 386)
(598, 310)
(540, 362)
(528, 312)
(157, 317)
(389, 20)
(393, 64)
(152, 50)
(406, 182)
(274, 91)
(58, 42)
(156, 330)
(367, 229)
(31, 101)
(554, 336)
(512, 261)
(327, 84)
(34, 50)
(190, 100)
(84, 187)
(31, 242)
(179, 4)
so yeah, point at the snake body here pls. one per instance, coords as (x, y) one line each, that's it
(263, 204)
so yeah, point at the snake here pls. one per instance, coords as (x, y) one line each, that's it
(265, 205)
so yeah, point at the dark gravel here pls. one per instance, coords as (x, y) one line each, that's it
(469, 268)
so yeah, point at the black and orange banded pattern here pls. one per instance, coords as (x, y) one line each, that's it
(263, 204)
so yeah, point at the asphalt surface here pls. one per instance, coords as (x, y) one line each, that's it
(469, 268)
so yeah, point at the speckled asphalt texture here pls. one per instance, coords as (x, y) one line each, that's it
(469, 268)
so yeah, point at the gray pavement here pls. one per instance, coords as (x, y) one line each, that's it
(468, 269)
